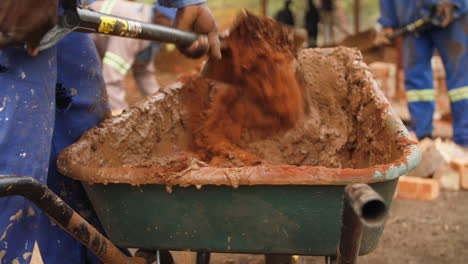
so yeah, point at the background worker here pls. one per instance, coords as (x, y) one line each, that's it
(327, 17)
(119, 55)
(451, 41)
(312, 19)
(285, 15)
(47, 100)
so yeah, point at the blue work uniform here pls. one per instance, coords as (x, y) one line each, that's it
(46, 103)
(451, 43)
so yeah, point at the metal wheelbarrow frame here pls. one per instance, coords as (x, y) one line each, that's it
(362, 207)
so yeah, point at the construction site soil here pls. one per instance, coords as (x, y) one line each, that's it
(264, 103)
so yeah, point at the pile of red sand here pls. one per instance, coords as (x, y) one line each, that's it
(257, 91)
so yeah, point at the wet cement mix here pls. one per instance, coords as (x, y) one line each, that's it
(264, 104)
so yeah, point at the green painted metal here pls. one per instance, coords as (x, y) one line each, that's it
(250, 219)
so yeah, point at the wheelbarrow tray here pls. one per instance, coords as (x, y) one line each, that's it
(289, 219)
(265, 212)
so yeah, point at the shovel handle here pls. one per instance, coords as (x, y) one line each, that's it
(92, 21)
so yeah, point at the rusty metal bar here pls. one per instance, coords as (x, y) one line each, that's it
(64, 216)
(362, 207)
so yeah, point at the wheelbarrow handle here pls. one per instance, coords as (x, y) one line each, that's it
(64, 216)
(362, 207)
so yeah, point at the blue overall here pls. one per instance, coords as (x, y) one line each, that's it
(46, 103)
(34, 128)
(451, 43)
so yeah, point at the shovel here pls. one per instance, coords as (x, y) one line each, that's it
(79, 19)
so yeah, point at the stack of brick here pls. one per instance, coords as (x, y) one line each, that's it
(443, 165)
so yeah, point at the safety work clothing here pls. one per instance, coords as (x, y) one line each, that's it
(451, 43)
(119, 55)
(46, 103)
(34, 128)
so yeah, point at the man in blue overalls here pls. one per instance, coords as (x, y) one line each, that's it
(47, 100)
(451, 41)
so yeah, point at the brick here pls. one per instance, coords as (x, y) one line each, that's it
(416, 188)
(448, 177)
(432, 159)
(461, 166)
(424, 144)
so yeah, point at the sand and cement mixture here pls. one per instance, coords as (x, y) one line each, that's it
(263, 104)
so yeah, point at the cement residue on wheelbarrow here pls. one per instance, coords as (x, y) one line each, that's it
(264, 114)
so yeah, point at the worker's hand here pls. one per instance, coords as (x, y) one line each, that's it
(26, 21)
(445, 10)
(198, 18)
(381, 38)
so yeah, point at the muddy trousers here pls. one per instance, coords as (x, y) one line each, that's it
(144, 76)
(452, 44)
(46, 103)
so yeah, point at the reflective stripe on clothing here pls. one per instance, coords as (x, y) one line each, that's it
(458, 94)
(116, 62)
(425, 95)
(108, 6)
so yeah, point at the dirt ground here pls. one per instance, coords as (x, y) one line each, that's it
(416, 232)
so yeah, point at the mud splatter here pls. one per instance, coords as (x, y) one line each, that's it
(410, 58)
(465, 23)
(31, 211)
(27, 255)
(17, 216)
(4, 103)
(455, 48)
(6, 231)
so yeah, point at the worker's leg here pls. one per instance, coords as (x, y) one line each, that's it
(145, 77)
(83, 104)
(452, 43)
(27, 105)
(117, 60)
(326, 24)
(420, 92)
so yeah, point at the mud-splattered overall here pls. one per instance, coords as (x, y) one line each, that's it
(47, 102)
(451, 43)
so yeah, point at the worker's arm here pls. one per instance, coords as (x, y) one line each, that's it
(26, 21)
(388, 19)
(195, 16)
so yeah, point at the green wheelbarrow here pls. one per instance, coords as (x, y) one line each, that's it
(314, 211)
